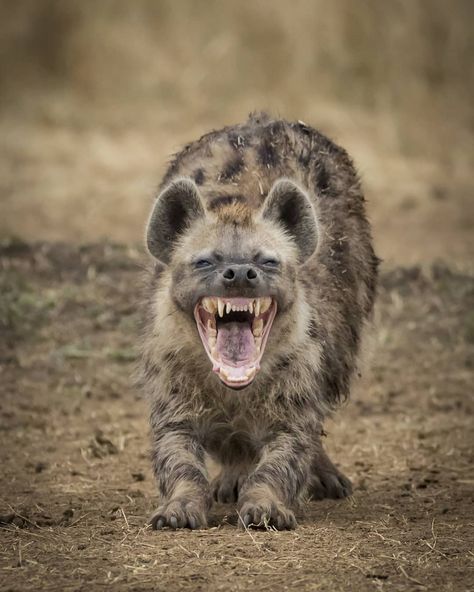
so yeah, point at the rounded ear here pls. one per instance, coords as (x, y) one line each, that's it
(177, 206)
(290, 207)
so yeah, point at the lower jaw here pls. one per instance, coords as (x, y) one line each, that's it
(225, 373)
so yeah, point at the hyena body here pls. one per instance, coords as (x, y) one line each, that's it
(263, 216)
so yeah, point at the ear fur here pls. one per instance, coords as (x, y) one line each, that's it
(290, 207)
(177, 206)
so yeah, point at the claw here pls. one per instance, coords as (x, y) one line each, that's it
(159, 524)
(192, 523)
(173, 523)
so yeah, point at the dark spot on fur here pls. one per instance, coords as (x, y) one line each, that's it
(267, 154)
(304, 156)
(322, 178)
(232, 168)
(199, 176)
(284, 362)
(277, 128)
(225, 200)
(169, 356)
(314, 330)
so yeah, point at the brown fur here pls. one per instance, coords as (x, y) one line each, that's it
(268, 436)
(237, 214)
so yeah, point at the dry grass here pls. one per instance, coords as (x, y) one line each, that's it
(204, 60)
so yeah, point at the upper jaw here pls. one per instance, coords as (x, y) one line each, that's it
(234, 332)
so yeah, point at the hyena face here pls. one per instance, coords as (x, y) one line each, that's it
(233, 271)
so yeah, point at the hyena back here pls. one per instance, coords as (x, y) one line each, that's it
(262, 279)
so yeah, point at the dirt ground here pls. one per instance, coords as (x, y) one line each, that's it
(76, 482)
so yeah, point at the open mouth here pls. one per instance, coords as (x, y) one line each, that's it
(234, 332)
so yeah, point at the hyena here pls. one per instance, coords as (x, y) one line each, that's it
(262, 279)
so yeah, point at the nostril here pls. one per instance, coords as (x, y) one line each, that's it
(251, 274)
(229, 274)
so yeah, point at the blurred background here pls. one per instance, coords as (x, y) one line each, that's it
(95, 97)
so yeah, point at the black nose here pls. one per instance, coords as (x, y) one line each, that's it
(239, 275)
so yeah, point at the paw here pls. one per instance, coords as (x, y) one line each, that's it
(225, 487)
(179, 514)
(329, 483)
(270, 514)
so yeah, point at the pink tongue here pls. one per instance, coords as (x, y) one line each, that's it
(235, 343)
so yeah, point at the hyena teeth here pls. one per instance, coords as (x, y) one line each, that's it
(234, 308)
(257, 327)
(228, 307)
(209, 305)
(258, 343)
(211, 340)
(265, 304)
(211, 328)
(250, 373)
(220, 307)
(223, 373)
(245, 307)
(251, 307)
(257, 307)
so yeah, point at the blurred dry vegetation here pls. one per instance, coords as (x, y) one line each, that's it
(96, 95)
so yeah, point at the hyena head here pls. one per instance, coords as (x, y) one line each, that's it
(233, 272)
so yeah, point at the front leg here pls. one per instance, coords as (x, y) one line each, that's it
(178, 465)
(326, 480)
(226, 486)
(277, 482)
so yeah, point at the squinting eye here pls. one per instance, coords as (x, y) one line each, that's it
(200, 263)
(271, 263)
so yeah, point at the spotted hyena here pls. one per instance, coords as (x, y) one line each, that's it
(263, 276)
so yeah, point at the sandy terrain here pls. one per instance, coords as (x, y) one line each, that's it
(77, 486)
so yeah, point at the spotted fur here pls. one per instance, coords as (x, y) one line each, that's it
(267, 437)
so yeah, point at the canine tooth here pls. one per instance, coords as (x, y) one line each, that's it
(228, 307)
(209, 305)
(257, 307)
(257, 327)
(265, 304)
(220, 307)
(251, 307)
